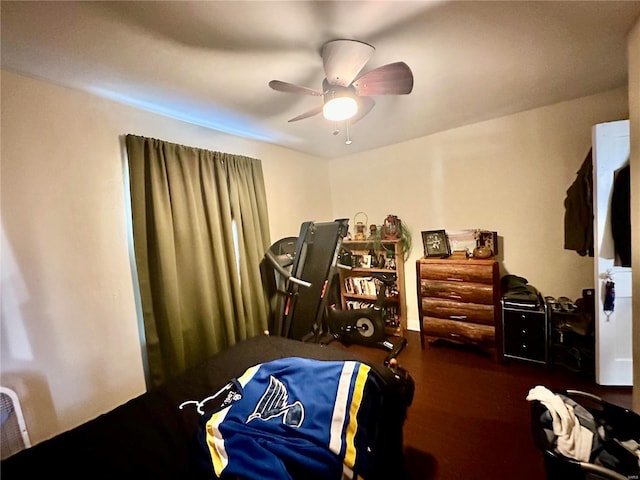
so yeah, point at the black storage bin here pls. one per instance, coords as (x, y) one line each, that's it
(619, 424)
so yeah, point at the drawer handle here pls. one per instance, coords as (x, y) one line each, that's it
(454, 279)
(454, 295)
(458, 317)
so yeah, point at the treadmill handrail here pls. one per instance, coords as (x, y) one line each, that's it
(344, 266)
(283, 271)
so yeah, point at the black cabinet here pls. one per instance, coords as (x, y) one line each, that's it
(525, 334)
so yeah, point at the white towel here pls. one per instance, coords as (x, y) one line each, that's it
(573, 440)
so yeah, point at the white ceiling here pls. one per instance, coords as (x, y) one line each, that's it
(209, 62)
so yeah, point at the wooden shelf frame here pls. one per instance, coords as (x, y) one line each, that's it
(395, 247)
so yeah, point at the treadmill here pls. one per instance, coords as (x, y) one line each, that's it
(297, 274)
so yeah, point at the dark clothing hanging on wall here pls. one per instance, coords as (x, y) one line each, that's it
(621, 215)
(578, 217)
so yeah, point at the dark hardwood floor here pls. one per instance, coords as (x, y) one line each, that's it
(470, 418)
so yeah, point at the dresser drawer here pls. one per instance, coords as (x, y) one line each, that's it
(462, 312)
(458, 331)
(457, 272)
(462, 292)
(525, 335)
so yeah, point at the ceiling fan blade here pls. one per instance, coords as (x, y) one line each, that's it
(343, 60)
(365, 104)
(391, 79)
(310, 113)
(291, 88)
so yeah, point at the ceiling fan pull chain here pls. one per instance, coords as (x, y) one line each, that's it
(348, 142)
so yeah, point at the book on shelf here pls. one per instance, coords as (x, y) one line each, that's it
(369, 286)
(361, 286)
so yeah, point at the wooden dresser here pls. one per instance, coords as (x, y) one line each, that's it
(459, 300)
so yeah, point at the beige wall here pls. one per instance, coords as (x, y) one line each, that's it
(508, 175)
(69, 327)
(634, 117)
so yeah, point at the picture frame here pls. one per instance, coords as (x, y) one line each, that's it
(462, 240)
(489, 239)
(435, 243)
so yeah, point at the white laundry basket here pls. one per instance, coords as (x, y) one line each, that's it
(14, 435)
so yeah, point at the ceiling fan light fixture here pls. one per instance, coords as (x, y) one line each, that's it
(339, 105)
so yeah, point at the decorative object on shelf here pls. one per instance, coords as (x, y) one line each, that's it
(390, 262)
(345, 258)
(473, 242)
(360, 227)
(374, 258)
(487, 238)
(435, 243)
(462, 240)
(373, 230)
(391, 228)
(403, 235)
(482, 251)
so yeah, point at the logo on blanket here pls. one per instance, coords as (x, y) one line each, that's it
(221, 399)
(273, 403)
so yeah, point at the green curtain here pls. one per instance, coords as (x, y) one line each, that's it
(199, 292)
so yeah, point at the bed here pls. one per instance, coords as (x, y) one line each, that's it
(151, 437)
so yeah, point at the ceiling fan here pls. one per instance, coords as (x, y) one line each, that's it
(347, 96)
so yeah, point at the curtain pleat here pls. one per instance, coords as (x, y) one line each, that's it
(199, 295)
